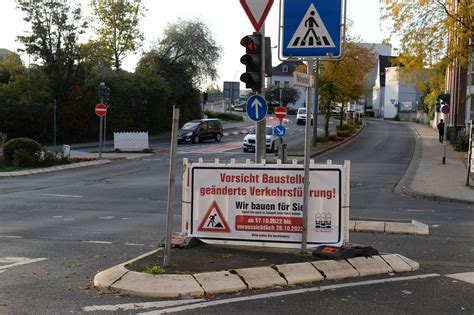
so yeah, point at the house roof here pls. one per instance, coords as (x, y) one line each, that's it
(292, 64)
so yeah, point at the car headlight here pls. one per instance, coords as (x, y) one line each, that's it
(189, 134)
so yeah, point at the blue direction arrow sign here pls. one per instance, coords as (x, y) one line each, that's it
(312, 28)
(279, 131)
(257, 108)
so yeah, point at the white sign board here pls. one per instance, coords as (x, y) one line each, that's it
(406, 106)
(302, 79)
(262, 206)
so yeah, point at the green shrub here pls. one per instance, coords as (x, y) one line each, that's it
(350, 128)
(344, 133)
(323, 139)
(23, 158)
(54, 158)
(292, 111)
(224, 116)
(396, 118)
(2, 161)
(31, 146)
(462, 142)
(3, 139)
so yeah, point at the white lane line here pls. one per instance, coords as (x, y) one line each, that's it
(107, 217)
(137, 306)
(62, 196)
(134, 244)
(10, 236)
(18, 261)
(284, 293)
(97, 242)
(465, 276)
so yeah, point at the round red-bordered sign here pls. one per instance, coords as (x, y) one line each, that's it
(100, 109)
(280, 112)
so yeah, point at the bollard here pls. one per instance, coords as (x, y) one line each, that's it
(284, 155)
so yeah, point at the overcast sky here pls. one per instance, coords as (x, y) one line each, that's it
(225, 18)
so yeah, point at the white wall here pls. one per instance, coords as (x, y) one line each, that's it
(391, 92)
(302, 91)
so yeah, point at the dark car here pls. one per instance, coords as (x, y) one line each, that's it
(203, 129)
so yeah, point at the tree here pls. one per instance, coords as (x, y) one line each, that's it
(118, 29)
(190, 43)
(288, 94)
(55, 29)
(423, 27)
(343, 81)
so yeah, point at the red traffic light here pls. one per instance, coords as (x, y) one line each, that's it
(251, 43)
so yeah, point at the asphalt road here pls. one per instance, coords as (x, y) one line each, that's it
(69, 225)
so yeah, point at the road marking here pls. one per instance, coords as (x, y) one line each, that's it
(135, 306)
(134, 244)
(465, 276)
(97, 242)
(288, 292)
(62, 196)
(109, 217)
(10, 236)
(17, 261)
(420, 210)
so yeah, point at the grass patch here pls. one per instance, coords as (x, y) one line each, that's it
(155, 270)
(224, 116)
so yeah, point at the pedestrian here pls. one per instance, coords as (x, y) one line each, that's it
(441, 131)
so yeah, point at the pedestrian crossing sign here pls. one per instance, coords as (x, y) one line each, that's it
(312, 29)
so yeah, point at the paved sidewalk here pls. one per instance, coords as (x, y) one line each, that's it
(427, 177)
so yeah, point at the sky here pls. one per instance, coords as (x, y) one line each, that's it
(226, 19)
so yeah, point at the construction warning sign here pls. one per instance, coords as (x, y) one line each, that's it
(213, 220)
(312, 28)
(249, 205)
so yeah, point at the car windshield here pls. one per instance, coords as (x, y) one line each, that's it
(190, 125)
(268, 131)
(302, 111)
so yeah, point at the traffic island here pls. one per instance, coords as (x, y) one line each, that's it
(210, 270)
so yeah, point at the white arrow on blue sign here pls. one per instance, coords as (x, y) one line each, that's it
(279, 131)
(312, 28)
(257, 108)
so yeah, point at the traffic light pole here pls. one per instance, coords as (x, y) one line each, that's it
(260, 145)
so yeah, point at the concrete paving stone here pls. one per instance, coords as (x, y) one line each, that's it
(164, 286)
(397, 263)
(300, 273)
(104, 279)
(421, 228)
(369, 266)
(370, 226)
(220, 282)
(335, 269)
(261, 277)
(413, 264)
(399, 228)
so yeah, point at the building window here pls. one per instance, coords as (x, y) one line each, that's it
(285, 68)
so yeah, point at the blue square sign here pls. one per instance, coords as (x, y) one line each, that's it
(312, 28)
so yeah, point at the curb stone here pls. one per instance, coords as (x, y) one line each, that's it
(119, 278)
(412, 228)
(53, 168)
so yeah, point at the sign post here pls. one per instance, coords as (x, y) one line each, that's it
(311, 30)
(470, 158)
(101, 111)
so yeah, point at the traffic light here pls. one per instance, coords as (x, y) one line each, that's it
(104, 94)
(252, 61)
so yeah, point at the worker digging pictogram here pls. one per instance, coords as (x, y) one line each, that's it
(213, 220)
(311, 32)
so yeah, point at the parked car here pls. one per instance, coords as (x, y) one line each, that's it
(249, 140)
(198, 130)
(301, 116)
